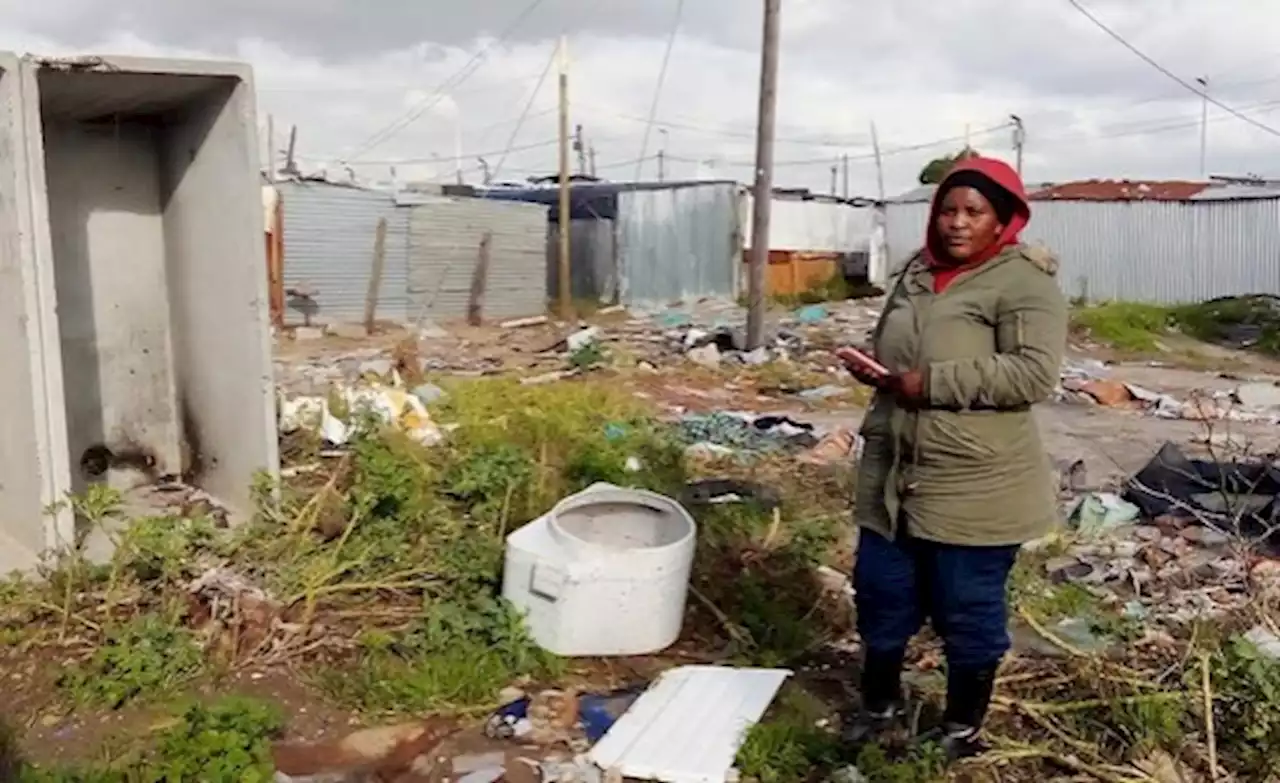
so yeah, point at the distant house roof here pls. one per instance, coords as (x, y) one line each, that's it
(1122, 190)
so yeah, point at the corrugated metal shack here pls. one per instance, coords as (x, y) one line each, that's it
(445, 235)
(432, 247)
(1162, 242)
(645, 242)
(638, 242)
(329, 232)
(813, 238)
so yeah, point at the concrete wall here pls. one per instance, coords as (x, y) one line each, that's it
(31, 477)
(113, 303)
(134, 307)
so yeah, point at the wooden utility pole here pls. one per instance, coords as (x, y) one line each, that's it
(375, 275)
(844, 170)
(766, 120)
(1019, 139)
(662, 166)
(591, 153)
(566, 218)
(835, 177)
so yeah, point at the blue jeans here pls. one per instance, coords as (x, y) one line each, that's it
(961, 590)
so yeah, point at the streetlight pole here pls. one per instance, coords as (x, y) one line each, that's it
(1203, 81)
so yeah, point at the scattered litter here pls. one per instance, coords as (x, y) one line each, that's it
(712, 491)
(839, 445)
(824, 392)
(428, 393)
(581, 339)
(706, 355)
(811, 314)
(1258, 395)
(745, 433)
(550, 377)
(689, 725)
(757, 357)
(1267, 642)
(1100, 512)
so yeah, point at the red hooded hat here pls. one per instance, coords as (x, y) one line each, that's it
(1002, 176)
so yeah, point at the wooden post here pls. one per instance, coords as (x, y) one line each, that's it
(566, 216)
(766, 120)
(479, 280)
(375, 274)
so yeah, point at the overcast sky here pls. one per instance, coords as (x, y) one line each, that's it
(922, 70)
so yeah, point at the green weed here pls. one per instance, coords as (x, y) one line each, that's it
(789, 745)
(923, 764)
(1127, 326)
(1246, 685)
(139, 659)
(227, 741)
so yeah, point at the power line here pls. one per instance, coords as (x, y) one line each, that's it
(520, 122)
(657, 92)
(1261, 107)
(852, 141)
(871, 156)
(1185, 84)
(460, 76)
(488, 153)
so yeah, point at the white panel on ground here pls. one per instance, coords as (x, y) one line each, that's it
(688, 726)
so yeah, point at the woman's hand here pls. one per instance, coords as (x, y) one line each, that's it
(907, 386)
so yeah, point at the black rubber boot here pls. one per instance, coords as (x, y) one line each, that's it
(969, 694)
(882, 703)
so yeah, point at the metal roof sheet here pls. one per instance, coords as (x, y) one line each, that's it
(688, 726)
(1120, 190)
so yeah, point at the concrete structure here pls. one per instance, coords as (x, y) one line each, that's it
(139, 214)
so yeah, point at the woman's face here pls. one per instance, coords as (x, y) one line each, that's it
(966, 223)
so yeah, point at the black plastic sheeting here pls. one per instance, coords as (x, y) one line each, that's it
(1234, 497)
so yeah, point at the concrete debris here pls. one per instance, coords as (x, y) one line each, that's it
(308, 334)
(520, 323)
(347, 331)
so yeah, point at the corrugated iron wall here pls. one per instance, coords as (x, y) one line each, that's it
(1149, 251)
(444, 246)
(593, 260)
(678, 243)
(814, 225)
(328, 246)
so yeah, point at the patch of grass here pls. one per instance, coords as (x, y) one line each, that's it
(923, 764)
(1247, 708)
(138, 659)
(457, 657)
(227, 741)
(1126, 326)
(790, 745)
(1221, 320)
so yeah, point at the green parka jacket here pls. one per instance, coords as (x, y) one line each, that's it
(968, 466)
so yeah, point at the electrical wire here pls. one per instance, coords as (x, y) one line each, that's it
(533, 96)
(1261, 107)
(1184, 83)
(869, 156)
(852, 141)
(425, 105)
(489, 153)
(657, 92)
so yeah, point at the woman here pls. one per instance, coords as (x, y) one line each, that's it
(953, 477)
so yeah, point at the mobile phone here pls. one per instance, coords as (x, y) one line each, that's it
(862, 361)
